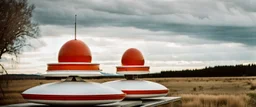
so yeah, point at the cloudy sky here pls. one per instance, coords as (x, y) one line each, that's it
(171, 34)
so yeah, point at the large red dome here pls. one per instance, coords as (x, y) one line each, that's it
(132, 56)
(75, 51)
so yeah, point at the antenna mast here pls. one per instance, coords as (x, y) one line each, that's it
(75, 27)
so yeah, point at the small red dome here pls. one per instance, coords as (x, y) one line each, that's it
(132, 56)
(75, 51)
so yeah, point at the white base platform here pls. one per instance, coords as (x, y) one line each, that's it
(146, 102)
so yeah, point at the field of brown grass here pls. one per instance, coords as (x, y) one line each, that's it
(195, 92)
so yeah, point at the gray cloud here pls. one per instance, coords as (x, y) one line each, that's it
(248, 5)
(171, 34)
(227, 21)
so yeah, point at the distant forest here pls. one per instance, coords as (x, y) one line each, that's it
(217, 71)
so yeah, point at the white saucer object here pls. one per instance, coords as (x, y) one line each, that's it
(73, 93)
(135, 89)
(74, 60)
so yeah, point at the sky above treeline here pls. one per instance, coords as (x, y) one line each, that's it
(171, 34)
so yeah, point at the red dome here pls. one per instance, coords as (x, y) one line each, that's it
(132, 56)
(75, 51)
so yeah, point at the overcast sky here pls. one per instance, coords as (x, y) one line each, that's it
(171, 34)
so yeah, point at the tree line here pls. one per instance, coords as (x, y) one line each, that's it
(216, 71)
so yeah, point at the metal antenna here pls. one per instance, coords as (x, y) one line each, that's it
(75, 27)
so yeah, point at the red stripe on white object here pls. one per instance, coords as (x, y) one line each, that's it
(132, 68)
(73, 97)
(145, 91)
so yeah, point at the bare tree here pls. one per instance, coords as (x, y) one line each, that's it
(16, 26)
(4, 71)
(1, 80)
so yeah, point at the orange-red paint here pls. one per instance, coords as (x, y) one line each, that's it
(145, 91)
(132, 56)
(73, 97)
(142, 68)
(75, 51)
(52, 67)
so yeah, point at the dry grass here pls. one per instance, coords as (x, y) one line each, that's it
(204, 100)
(14, 88)
(195, 92)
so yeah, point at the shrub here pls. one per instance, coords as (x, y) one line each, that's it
(253, 86)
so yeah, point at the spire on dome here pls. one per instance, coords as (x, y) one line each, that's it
(75, 27)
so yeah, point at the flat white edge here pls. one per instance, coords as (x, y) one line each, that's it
(66, 73)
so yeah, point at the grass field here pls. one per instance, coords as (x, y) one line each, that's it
(195, 92)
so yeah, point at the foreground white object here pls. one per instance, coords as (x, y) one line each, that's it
(72, 92)
(138, 88)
